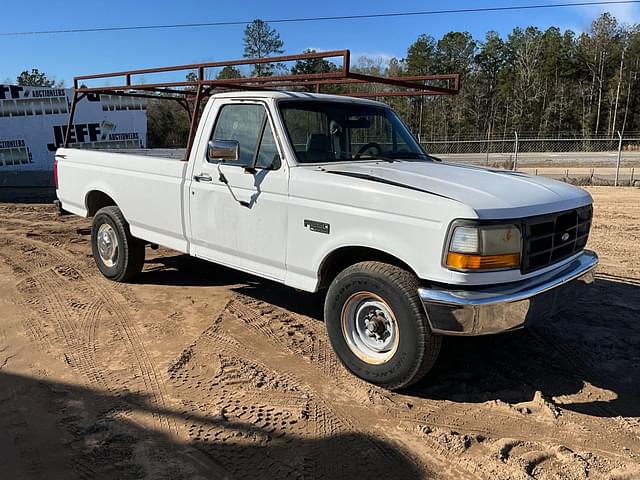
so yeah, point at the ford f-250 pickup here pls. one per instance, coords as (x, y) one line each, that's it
(330, 192)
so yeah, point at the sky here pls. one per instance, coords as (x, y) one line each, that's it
(62, 56)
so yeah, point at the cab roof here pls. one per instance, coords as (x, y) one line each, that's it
(283, 94)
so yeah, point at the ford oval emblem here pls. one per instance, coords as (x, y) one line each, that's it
(565, 236)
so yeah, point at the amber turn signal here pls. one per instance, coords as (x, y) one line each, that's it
(461, 261)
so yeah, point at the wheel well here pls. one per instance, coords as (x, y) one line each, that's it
(96, 200)
(344, 257)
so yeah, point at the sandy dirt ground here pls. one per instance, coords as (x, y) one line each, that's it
(196, 371)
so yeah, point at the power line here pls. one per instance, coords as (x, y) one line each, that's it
(322, 19)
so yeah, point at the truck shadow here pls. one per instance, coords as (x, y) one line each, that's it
(185, 270)
(189, 271)
(58, 430)
(596, 342)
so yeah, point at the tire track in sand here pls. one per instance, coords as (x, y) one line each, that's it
(350, 398)
(273, 324)
(256, 403)
(75, 303)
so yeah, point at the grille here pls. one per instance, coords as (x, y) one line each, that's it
(543, 243)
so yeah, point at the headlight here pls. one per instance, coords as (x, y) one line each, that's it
(491, 247)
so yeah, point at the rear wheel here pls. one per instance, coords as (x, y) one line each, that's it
(118, 255)
(377, 325)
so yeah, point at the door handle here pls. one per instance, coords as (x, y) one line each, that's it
(203, 177)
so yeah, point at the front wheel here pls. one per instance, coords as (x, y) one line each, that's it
(118, 255)
(377, 325)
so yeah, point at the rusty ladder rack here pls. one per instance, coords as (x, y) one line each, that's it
(201, 88)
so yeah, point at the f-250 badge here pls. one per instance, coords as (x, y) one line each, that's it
(319, 227)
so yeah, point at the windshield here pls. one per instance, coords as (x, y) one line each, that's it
(340, 131)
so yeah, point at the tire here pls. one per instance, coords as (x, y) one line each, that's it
(401, 349)
(122, 255)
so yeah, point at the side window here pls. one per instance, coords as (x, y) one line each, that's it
(244, 123)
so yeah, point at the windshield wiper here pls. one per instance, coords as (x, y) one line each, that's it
(395, 157)
(376, 157)
(410, 156)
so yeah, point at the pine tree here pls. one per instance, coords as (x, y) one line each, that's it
(260, 41)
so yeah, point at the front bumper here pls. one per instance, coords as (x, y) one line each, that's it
(502, 308)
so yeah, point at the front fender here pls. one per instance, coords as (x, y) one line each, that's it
(390, 234)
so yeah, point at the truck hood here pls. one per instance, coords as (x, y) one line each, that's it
(491, 193)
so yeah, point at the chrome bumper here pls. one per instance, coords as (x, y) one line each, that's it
(510, 306)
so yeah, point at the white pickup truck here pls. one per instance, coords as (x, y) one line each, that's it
(330, 192)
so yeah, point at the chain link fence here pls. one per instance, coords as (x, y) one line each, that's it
(594, 160)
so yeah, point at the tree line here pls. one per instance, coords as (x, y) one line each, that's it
(549, 83)
(539, 83)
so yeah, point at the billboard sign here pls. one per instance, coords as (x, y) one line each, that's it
(33, 122)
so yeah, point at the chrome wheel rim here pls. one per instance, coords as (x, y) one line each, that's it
(107, 243)
(370, 328)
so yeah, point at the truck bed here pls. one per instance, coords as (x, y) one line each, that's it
(148, 189)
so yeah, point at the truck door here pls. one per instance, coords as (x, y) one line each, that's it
(238, 214)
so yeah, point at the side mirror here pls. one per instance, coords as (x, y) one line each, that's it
(223, 150)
